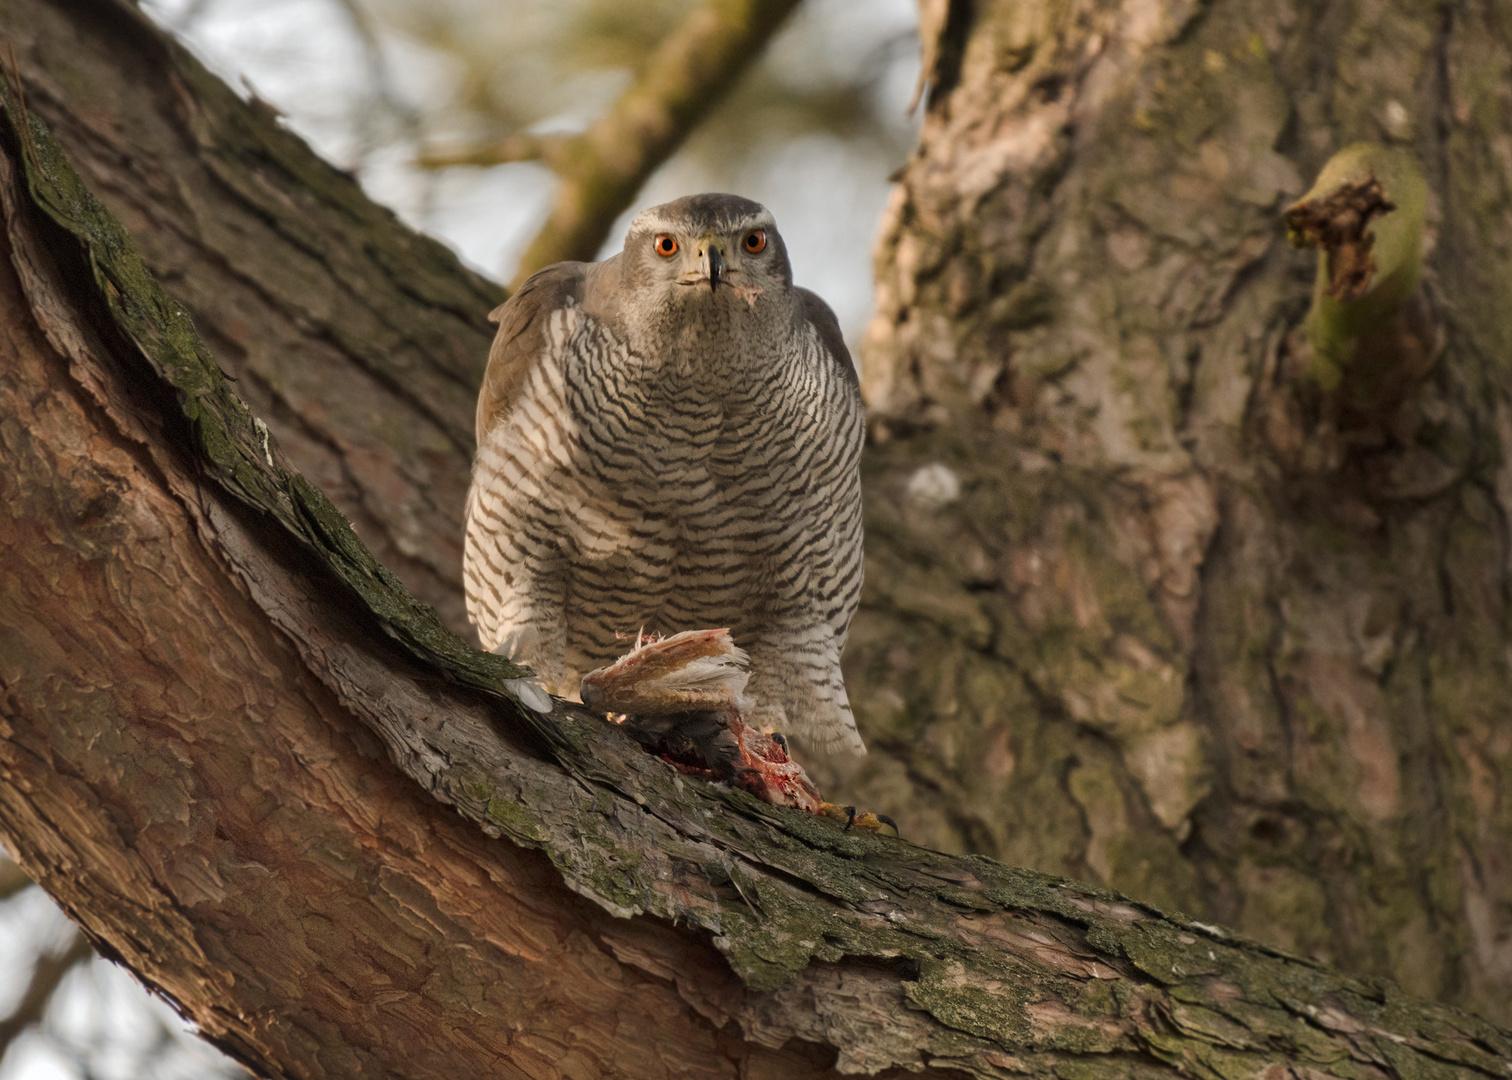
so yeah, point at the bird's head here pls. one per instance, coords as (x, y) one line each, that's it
(707, 250)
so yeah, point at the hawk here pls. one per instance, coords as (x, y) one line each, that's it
(670, 440)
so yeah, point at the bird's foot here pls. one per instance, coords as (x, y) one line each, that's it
(865, 819)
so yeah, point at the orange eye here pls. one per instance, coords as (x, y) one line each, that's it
(665, 245)
(755, 242)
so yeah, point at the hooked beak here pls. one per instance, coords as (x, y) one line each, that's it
(712, 265)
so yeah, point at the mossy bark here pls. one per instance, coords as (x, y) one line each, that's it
(1201, 625)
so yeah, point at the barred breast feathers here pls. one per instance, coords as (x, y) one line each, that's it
(511, 566)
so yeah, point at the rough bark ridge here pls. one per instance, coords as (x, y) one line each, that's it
(1192, 626)
(358, 341)
(198, 655)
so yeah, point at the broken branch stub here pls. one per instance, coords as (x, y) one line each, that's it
(1365, 216)
(1338, 224)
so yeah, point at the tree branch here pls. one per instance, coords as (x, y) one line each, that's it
(601, 170)
(550, 149)
(295, 279)
(197, 658)
(380, 83)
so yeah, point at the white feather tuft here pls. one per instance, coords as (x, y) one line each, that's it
(530, 693)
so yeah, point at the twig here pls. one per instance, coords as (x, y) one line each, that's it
(549, 149)
(192, 14)
(12, 878)
(379, 78)
(46, 976)
(602, 169)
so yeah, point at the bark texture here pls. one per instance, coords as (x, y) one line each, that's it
(359, 342)
(1147, 605)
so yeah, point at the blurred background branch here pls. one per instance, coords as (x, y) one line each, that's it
(552, 149)
(47, 973)
(602, 170)
(66, 1012)
(694, 67)
(522, 132)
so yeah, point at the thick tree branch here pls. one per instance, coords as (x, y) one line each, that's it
(199, 653)
(296, 280)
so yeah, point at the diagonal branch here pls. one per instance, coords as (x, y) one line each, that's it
(549, 149)
(600, 171)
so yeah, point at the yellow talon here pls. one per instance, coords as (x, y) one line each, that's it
(863, 820)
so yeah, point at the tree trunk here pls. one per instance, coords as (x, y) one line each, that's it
(1196, 627)
(259, 773)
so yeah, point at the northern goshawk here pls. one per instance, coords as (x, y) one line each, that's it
(670, 440)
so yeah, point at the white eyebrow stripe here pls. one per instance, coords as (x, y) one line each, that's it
(646, 221)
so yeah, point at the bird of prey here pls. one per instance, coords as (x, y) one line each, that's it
(670, 440)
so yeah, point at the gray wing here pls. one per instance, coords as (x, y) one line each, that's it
(521, 340)
(509, 563)
(822, 714)
(819, 315)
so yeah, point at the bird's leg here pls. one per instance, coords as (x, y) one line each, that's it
(526, 625)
